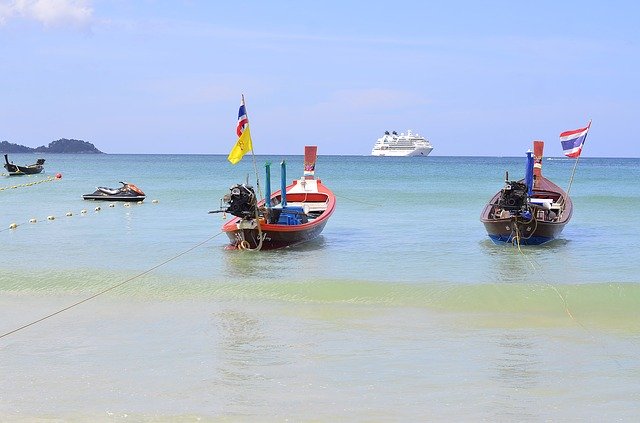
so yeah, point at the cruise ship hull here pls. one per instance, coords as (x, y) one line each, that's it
(420, 151)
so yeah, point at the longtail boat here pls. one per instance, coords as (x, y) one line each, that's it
(296, 213)
(530, 211)
(15, 170)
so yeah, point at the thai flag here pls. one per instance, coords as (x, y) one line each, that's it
(572, 141)
(243, 120)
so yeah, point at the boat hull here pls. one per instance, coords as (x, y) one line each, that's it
(274, 236)
(525, 233)
(420, 151)
(106, 197)
(15, 170)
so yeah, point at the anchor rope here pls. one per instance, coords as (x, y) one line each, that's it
(111, 288)
(356, 201)
(537, 267)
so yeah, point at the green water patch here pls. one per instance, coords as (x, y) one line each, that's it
(612, 305)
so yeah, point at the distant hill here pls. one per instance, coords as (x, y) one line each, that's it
(62, 145)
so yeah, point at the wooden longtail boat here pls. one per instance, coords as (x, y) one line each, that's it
(15, 170)
(292, 215)
(530, 211)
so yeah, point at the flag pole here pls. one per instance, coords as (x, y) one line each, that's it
(578, 158)
(572, 174)
(253, 155)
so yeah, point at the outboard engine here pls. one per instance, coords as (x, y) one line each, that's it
(241, 201)
(514, 196)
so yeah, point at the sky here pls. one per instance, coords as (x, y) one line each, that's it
(475, 78)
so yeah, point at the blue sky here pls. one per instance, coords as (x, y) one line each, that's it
(476, 78)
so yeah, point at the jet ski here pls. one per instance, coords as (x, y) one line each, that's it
(127, 192)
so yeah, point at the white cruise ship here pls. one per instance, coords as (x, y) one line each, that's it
(403, 145)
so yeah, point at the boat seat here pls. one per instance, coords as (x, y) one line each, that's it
(291, 215)
(110, 191)
(545, 203)
(309, 206)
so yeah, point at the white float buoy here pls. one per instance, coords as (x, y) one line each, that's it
(13, 226)
(51, 217)
(32, 221)
(69, 214)
(97, 208)
(127, 205)
(83, 211)
(112, 205)
(155, 201)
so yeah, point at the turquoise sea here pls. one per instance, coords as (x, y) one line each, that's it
(403, 310)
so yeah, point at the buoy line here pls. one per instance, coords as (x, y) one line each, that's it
(104, 291)
(83, 212)
(28, 184)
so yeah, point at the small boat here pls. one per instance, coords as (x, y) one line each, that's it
(403, 145)
(530, 211)
(127, 192)
(295, 214)
(15, 170)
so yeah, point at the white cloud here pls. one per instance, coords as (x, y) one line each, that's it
(48, 12)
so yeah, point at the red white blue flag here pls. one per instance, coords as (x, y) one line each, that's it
(572, 141)
(243, 144)
(243, 120)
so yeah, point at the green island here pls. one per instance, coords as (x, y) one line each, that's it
(62, 145)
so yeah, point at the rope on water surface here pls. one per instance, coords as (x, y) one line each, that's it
(28, 184)
(356, 201)
(538, 270)
(536, 267)
(104, 291)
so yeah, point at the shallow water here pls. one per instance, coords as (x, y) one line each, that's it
(401, 310)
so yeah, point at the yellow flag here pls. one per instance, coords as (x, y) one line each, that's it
(242, 147)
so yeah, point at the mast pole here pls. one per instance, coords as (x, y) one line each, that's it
(253, 155)
(572, 174)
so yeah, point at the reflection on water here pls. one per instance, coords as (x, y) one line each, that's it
(241, 264)
(284, 263)
(246, 353)
(549, 263)
(515, 373)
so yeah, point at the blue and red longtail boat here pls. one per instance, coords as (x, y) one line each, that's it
(530, 211)
(296, 213)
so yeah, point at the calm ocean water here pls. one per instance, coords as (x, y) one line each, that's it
(402, 310)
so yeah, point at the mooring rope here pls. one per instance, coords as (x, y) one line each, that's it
(356, 201)
(535, 266)
(104, 291)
